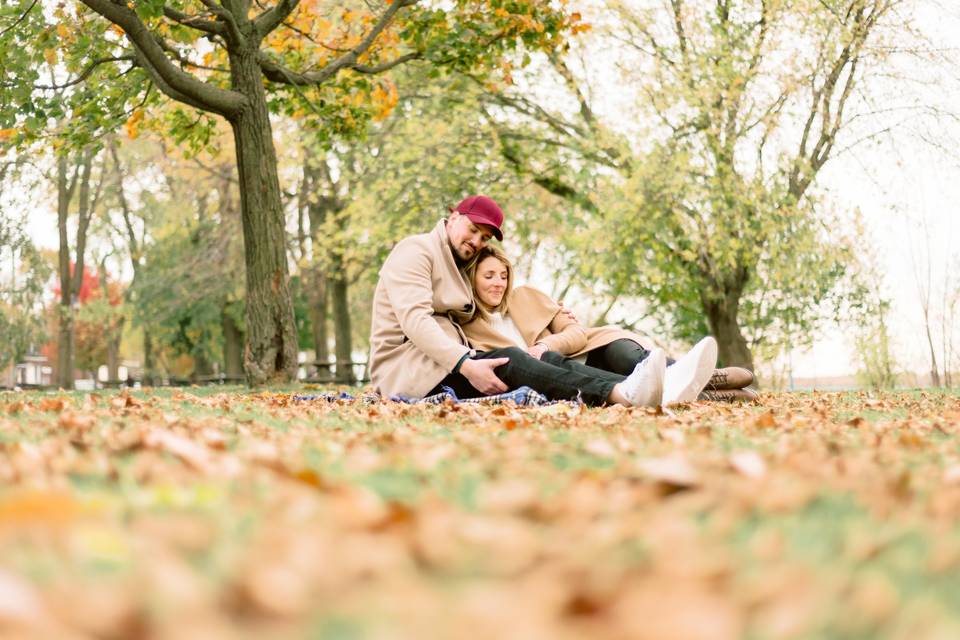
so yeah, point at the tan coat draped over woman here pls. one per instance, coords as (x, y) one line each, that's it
(539, 320)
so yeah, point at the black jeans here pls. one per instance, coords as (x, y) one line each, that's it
(620, 356)
(555, 376)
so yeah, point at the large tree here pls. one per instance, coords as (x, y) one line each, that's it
(227, 58)
(74, 177)
(701, 201)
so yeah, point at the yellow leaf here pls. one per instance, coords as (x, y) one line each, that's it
(63, 31)
(133, 123)
(50, 55)
(384, 98)
(7, 134)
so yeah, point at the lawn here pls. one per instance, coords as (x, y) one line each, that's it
(221, 513)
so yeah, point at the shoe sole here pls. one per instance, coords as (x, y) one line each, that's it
(661, 366)
(657, 360)
(690, 374)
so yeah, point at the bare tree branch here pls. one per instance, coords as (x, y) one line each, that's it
(386, 66)
(86, 72)
(278, 73)
(232, 28)
(271, 19)
(197, 22)
(23, 16)
(173, 81)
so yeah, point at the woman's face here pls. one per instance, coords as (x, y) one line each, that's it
(491, 281)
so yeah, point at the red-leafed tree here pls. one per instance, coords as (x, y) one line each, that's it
(88, 284)
(97, 324)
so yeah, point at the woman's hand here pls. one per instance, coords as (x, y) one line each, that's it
(567, 312)
(537, 350)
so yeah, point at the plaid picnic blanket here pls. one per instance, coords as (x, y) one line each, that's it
(521, 396)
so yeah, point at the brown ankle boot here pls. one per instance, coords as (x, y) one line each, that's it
(729, 395)
(730, 378)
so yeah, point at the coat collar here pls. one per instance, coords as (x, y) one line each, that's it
(445, 253)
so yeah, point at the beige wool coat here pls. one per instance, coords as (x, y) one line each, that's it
(539, 319)
(422, 294)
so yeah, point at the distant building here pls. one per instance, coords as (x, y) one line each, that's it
(34, 370)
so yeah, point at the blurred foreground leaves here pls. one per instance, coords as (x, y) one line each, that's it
(171, 514)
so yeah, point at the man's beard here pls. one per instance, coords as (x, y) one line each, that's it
(460, 260)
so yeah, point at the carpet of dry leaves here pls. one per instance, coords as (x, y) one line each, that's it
(232, 514)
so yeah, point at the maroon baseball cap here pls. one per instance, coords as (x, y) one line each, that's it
(482, 210)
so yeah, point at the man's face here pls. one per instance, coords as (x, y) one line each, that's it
(466, 238)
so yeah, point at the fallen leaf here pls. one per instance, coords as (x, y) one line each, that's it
(76, 421)
(42, 507)
(674, 470)
(190, 452)
(748, 463)
(600, 447)
(766, 420)
(52, 404)
(680, 610)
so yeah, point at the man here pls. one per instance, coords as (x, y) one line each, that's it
(417, 346)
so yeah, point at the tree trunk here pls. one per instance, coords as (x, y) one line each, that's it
(202, 367)
(342, 328)
(65, 347)
(318, 297)
(114, 330)
(934, 369)
(232, 346)
(271, 349)
(732, 346)
(65, 316)
(318, 292)
(113, 352)
(148, 366)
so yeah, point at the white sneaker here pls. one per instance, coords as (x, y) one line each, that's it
(644, 387)
(687, 377)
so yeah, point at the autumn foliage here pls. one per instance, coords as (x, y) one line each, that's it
(99, 316)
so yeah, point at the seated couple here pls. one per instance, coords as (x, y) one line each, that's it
(429, 331)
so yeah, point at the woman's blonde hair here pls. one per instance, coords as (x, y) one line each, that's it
(489, 252)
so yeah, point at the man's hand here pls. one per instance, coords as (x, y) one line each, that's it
(566, 311)
(480, 374)
(537, 350)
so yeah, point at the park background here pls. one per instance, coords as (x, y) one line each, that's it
(825, 260)
(203, 190)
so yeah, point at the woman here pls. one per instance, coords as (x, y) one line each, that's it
(528, 318)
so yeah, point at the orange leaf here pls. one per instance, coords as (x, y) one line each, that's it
(76, 421)
(766, 421)
(39, 507)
